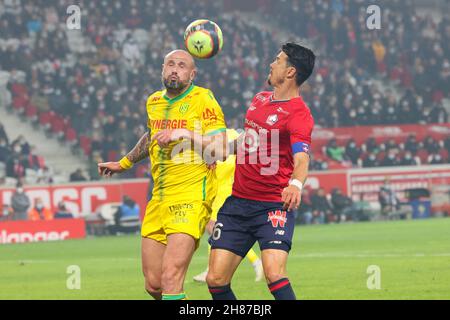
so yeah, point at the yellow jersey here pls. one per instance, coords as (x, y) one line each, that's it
(178, 170)
(225, 176)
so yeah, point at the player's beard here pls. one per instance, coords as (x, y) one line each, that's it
(174, 85)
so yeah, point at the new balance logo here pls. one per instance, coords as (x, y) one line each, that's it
(277, 217)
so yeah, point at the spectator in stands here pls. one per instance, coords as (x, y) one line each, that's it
(411, 144)
(352, 151)
(3, 135)
(371, 146)
(15, 166)
(447, 145)
(335, 152)
(370, 161)
(435, 158)
(409, 160)
(390, 159)
(62, 212)
(388, 199)
(23, 145)
(128, 211)
(44, 175)
(20, 203)
(321, 208)
(305, 210)
(39, 211)
(6, 213)
(5, 151)
(341, 204)
(438, 114)
(33, 160)
(391, 145)
(431, 145)
(77, 175)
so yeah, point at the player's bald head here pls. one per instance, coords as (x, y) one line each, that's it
(178, 70)
(180, 55)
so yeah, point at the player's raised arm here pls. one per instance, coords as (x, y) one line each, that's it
(292, 194)
(138, 153)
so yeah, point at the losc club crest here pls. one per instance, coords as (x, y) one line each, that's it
(272, 119)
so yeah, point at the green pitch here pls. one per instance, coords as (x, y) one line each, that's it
(327, 262)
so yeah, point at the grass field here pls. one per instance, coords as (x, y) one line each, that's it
(327, 262)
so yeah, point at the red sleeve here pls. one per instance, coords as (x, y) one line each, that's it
(300, 126)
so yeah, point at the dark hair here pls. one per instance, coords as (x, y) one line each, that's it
(301, 58)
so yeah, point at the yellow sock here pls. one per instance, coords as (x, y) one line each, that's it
(252, 256)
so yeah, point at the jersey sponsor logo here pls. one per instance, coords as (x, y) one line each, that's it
(281, 110)
(209, 114)
(168, 124)
(254, 125)
(277, 217)
(272, 119)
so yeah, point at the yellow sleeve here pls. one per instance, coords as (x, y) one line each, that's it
(213, 120)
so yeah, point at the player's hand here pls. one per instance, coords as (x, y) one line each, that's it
(107, 169)
(164, 137)
(212, 166)
(291, 197)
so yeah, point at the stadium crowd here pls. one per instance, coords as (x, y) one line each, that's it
(93, 96)
(409, 49)
(18, 156)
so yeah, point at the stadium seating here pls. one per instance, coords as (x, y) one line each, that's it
(89, 71)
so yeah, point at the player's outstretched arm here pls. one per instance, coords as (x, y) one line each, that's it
(215, 145)
(138, 153)
(292, 194)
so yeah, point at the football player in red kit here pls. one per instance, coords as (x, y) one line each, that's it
(271, 169)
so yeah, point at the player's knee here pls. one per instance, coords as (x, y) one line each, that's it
(152, 285)
(216, 280)
(171, 277)
(153, 289)
(272, 276)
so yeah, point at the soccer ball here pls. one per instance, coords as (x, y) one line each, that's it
(203, 39)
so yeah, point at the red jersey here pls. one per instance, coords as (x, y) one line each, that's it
(274, 131)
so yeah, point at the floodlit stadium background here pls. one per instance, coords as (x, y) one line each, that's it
(72, 97)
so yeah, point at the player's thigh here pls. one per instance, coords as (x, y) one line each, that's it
(222, 266)
(274, 263)
(152, 253)
(179, 251)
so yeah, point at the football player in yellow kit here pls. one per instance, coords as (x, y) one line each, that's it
(225, 175)
(184, 186)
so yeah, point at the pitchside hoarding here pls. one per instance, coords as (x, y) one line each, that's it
(84, 199)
